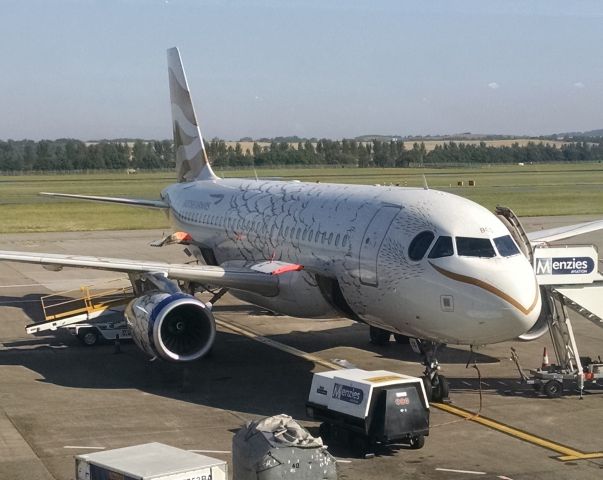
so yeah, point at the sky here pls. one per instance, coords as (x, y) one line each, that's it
(93, 69)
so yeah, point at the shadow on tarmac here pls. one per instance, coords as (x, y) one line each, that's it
(239, 375)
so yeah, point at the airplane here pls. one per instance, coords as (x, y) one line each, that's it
(415, 262)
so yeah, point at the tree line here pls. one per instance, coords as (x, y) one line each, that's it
(68, 154)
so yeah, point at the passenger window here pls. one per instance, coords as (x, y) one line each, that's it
(330, 238)
(475, 247)
(337, 240)
(419, 245)
(344, 243)
(506, 246)
(304, 234)
(442, 248)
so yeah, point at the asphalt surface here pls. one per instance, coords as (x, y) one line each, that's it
(59, 398)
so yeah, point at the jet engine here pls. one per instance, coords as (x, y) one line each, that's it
(173, 326)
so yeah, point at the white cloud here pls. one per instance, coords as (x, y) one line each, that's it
(493, 85)
(579, 85)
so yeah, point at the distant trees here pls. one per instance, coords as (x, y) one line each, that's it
(69, 154)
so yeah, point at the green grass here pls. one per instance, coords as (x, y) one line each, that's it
(531, 190)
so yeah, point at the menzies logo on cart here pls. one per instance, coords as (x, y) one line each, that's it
(348, 394)
(564, 266)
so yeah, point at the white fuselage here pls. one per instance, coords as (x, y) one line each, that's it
(360, 237)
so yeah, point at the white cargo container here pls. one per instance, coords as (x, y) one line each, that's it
(151, 461)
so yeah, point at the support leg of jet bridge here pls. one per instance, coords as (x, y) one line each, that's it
(564, 341)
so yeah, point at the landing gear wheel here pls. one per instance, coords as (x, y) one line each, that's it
(379, 336)
(416, 442)
(553, 389)
(88, 336)
(401, 339)
(440, 388)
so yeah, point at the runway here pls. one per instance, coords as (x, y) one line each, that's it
(59, 398)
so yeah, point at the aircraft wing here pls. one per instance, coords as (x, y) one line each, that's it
(256, 280)
(136, 202)
(560, 233)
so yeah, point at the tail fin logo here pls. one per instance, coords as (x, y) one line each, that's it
(191, 158)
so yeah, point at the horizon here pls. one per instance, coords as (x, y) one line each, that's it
(265, 69)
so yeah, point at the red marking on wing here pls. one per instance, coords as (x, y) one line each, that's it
(287, 268)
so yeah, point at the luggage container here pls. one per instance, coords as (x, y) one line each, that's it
(278, 448)
(368, 408)
(151, 461)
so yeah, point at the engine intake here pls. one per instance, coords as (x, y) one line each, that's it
(175, 327)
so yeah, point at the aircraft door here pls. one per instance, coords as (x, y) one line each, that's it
(372, 241)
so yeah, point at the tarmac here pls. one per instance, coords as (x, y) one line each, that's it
(59, 398)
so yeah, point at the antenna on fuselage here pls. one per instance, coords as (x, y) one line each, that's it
(425, 186)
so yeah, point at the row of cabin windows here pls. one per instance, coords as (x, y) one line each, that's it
(293, 233)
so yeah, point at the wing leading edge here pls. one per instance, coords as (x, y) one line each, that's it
(133, 202)
(560, 233)
(245, 279)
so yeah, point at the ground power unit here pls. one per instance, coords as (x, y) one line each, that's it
(151, 461)
(365, 409)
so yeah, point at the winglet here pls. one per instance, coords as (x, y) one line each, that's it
(191, 158)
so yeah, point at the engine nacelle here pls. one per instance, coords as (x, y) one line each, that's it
(173, 326)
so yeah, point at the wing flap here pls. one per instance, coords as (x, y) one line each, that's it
(132, 202)
(244, 279)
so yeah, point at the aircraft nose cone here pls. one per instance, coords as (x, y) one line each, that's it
(519, 291)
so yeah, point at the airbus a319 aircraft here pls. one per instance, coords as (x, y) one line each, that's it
(411, 261)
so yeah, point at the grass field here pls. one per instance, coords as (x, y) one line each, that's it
(531, 190)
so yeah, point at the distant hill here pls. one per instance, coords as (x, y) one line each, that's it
(458, 137)
(590, 134)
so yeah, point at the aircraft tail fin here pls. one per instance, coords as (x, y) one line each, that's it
(191, 158)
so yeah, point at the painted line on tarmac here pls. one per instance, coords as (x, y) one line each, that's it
(566, 453)
(469, 472)
(278, 345)
(79, 447)
(209, 451)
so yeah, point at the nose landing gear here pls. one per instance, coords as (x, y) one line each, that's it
(436, 385)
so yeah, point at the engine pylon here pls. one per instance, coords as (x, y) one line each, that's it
(545, 360)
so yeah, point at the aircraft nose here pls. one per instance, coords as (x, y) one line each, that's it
(516, 290)
(501, 297)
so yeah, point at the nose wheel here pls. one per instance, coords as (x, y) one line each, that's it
(436, 385)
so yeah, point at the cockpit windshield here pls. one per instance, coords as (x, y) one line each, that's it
(475, 247)
(442, 248)
(506, 246)
(419, 245)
